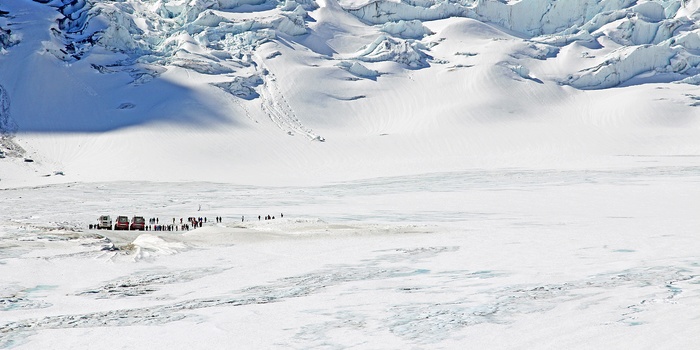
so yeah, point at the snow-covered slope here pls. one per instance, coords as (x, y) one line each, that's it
(248, 91)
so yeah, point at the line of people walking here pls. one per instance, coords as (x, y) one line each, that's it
(183, 225)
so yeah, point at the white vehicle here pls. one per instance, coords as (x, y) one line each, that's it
(104, 222)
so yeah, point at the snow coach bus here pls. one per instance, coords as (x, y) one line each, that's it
(104, 222)
(138, 223)
(122, 223)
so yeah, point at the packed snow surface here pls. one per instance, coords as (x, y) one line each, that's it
(502, 174)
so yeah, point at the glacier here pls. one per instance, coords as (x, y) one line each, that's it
(652, 36)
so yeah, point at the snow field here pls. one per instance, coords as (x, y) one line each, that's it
(497, 259)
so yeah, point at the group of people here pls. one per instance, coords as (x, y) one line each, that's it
(193, 222)
(268, 217)
(184, 225)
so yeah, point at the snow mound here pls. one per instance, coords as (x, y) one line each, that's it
(243, 87)
(521, 71)
(406, 29)
(629, 62)
(694, 80)
(148, 245)
(358, 70)
(406, 52)
(202, 66)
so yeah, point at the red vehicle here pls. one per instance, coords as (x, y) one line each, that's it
(138, 223)
(122, 223)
